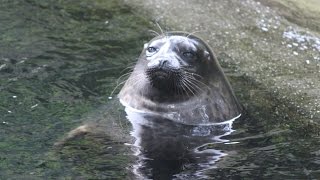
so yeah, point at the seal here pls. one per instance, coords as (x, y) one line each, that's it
(178, 77)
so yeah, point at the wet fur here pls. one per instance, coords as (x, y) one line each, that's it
(198, 93)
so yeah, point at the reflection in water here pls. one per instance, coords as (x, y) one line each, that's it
(169, 150)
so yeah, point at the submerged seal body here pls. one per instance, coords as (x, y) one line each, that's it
(178, 77)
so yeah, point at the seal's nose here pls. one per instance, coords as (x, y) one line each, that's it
(160, 64)
(163, 63)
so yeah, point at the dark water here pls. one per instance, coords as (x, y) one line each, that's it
(59, 62)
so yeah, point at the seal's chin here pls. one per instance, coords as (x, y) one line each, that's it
(163, 79)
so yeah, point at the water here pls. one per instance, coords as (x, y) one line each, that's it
(59, 62)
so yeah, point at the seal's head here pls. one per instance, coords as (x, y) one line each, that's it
(178, 74)
(175, 63)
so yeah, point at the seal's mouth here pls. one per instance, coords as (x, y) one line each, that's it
(161, 74)
(155, 74)
(163, 79)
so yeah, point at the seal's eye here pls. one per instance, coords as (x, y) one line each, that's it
(189, 55)
(151, 49)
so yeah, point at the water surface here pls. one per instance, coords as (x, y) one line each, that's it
(59, 60)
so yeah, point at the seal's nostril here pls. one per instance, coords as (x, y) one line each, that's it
(163, 63)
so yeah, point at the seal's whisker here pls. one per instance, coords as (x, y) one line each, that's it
(194, 85)
(132, 64)
(179, 85)
(193, 74)
(160, 28)
(197, 81)
(194, 32)
(115, 88)
(196, 92)
(154, 32)
(185, 83)
(129, 68)
(191, 89)
(177, 89)
(123, 75)
(134, 80)
(120, 83)
(184, 89)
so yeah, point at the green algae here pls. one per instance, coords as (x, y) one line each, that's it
(304, 13)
